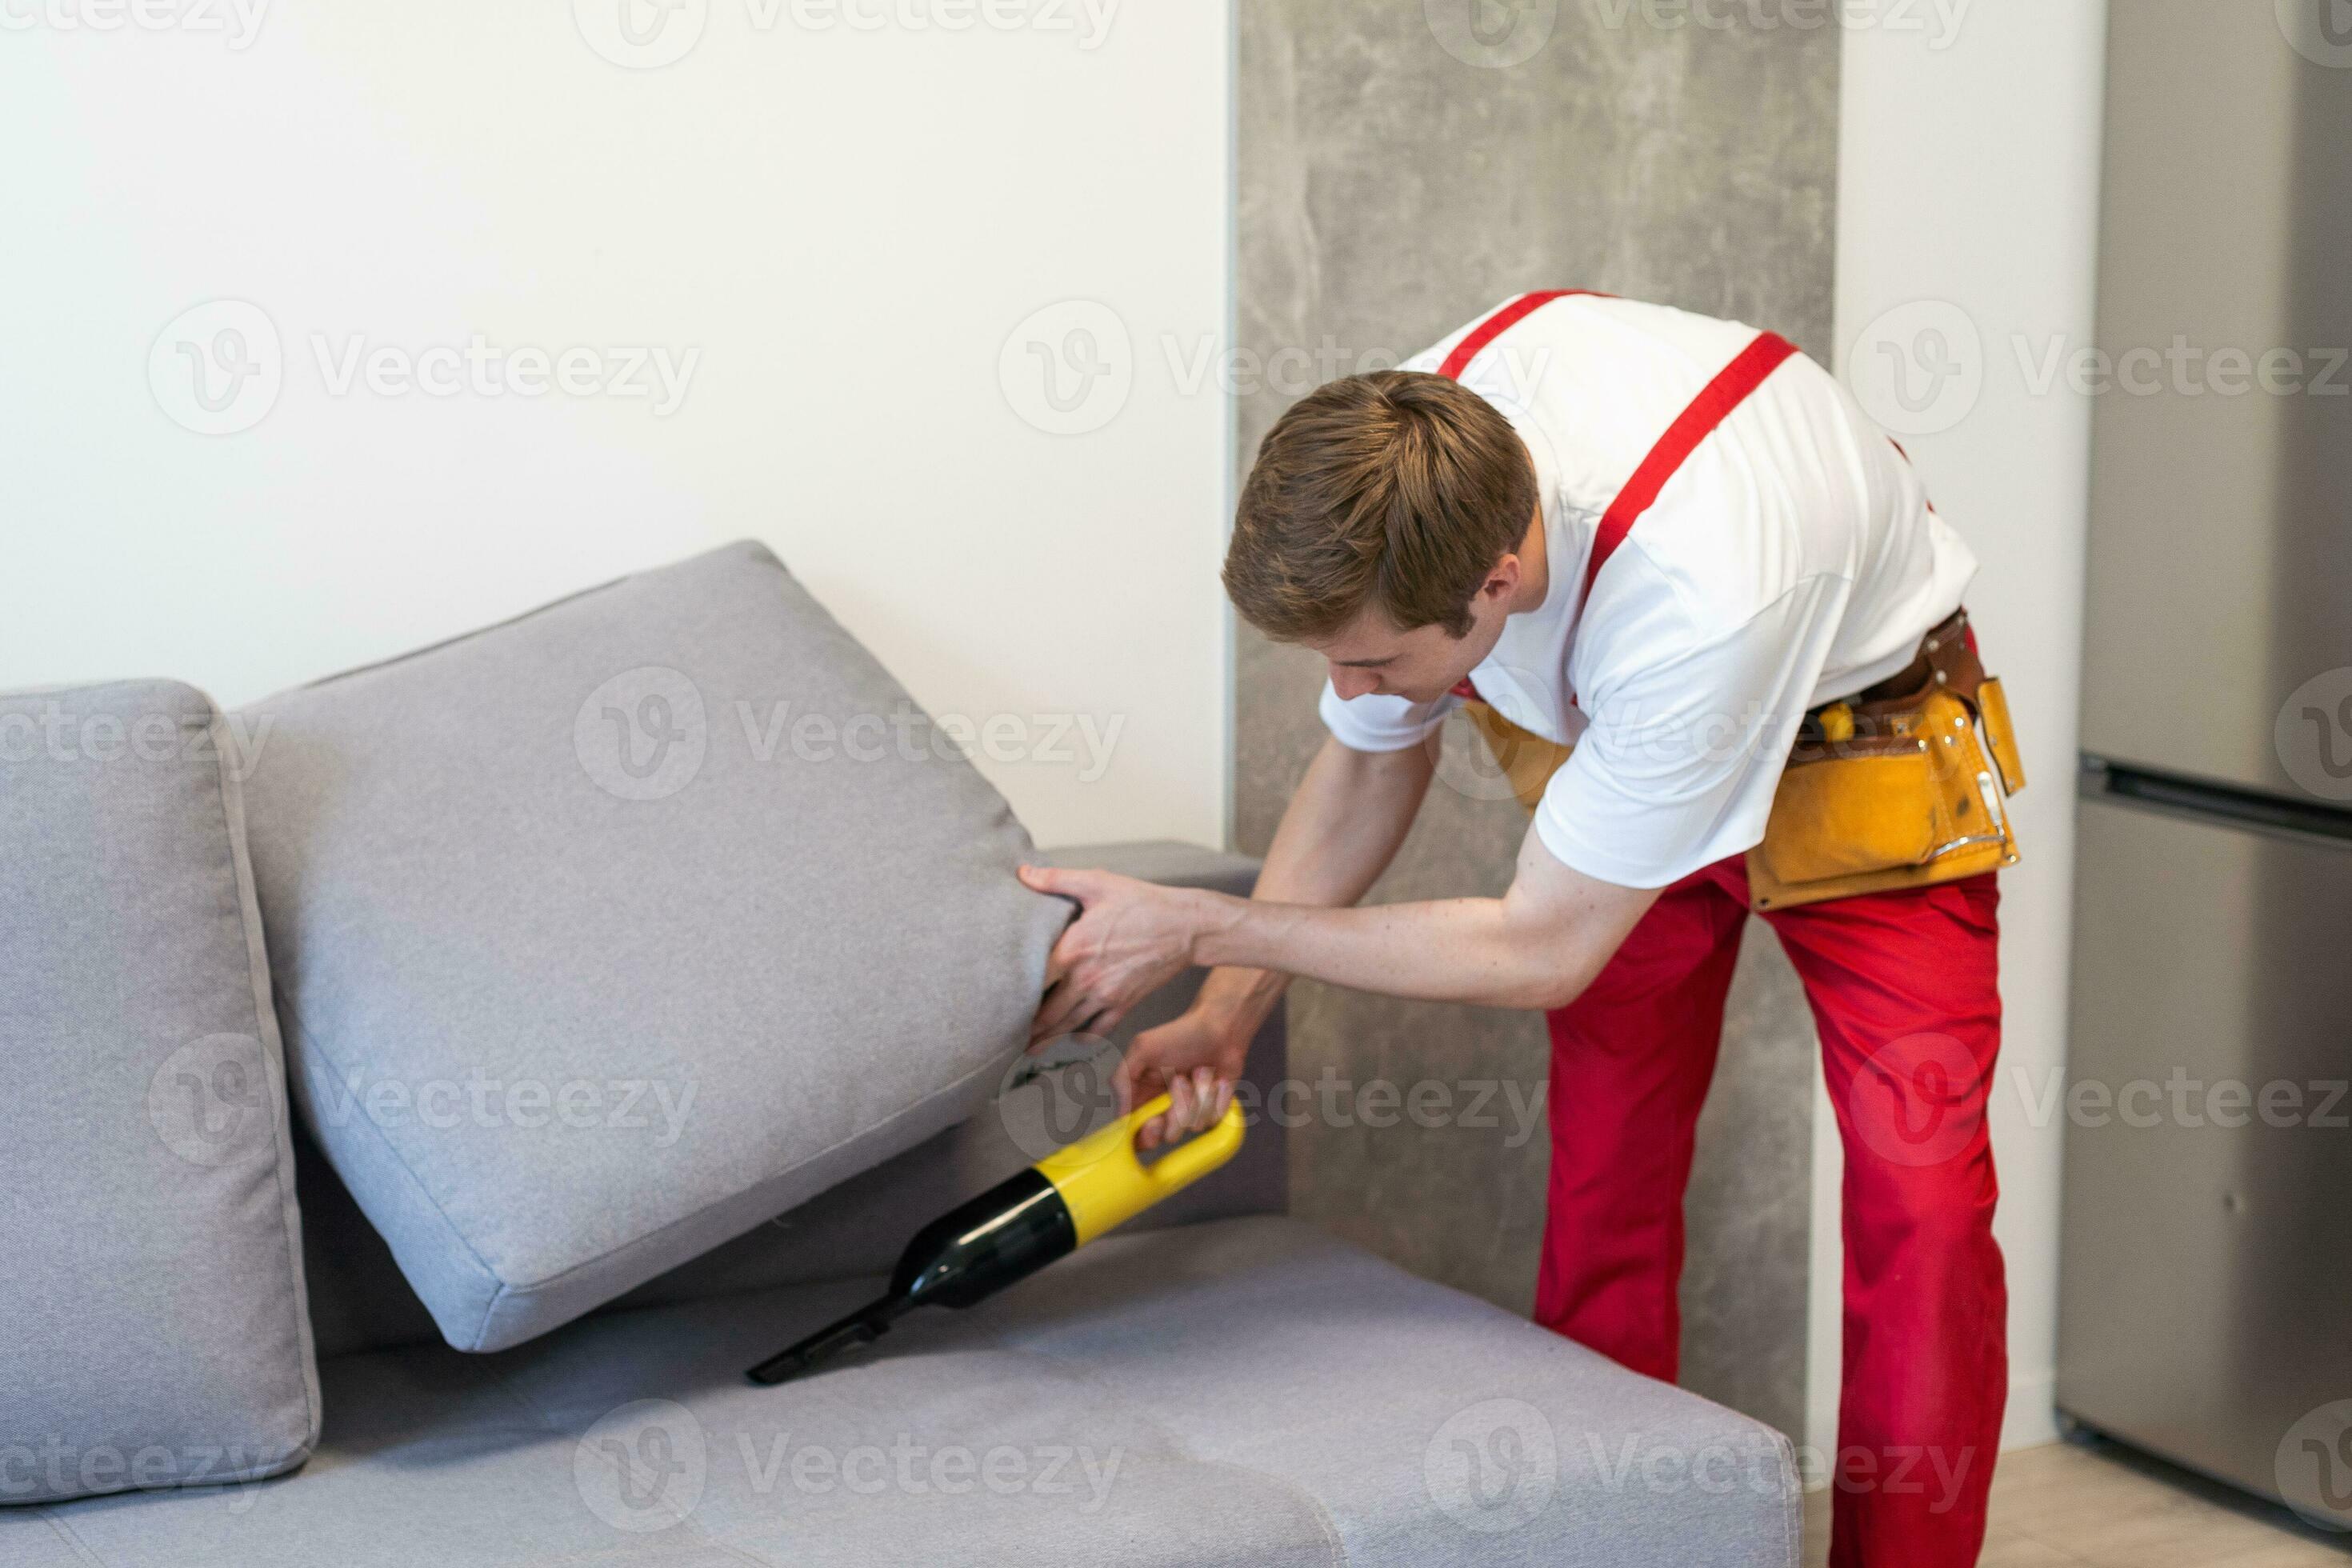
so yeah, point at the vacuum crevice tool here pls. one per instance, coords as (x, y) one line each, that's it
(1016, 1227)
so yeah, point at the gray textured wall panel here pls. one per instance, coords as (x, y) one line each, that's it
(1390, 188)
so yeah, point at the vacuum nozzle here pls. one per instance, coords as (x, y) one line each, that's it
(861, 1327)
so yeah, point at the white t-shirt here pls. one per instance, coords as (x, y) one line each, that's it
(1791, 561)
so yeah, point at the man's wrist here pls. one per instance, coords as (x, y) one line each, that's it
(1214, 919)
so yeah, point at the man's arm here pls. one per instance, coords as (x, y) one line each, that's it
(1538, 946)
(1341, 828)
(1340, 831)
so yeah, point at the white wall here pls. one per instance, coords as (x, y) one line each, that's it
(842, 209)
(1967, 222)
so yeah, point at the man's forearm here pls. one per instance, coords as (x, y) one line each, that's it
(1448, 950)
(1337, 834)
(1538, 946)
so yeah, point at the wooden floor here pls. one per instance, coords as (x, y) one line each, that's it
(2067, 1505)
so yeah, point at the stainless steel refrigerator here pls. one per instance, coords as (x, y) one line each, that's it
(2205, 1290)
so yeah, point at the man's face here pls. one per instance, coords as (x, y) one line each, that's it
(1370, 656)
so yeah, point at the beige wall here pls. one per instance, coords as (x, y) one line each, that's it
(1400, 171)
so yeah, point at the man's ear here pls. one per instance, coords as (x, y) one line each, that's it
(1502, 578)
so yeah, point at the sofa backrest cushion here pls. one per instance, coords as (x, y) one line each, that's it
(606, 933)
(153, 1331)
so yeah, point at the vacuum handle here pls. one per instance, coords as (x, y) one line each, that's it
(1105, 1183)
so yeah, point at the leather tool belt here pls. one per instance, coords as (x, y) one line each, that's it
(1903, 784)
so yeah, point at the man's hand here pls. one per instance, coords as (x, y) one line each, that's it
(1193, 1060)
(1130, 938)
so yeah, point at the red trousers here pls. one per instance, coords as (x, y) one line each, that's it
(1903, 988)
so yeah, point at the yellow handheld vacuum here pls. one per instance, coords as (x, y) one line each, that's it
(1021, 1225)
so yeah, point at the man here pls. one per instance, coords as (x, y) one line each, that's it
(1673, 552)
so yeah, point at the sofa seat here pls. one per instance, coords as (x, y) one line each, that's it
(1243, 1390)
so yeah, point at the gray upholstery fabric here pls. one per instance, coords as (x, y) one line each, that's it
(604, 935)
(1244, 1392)
(359, 1301)
(152, 1327)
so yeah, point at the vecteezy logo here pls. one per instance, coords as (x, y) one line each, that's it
(218, 369)
(642, 734)
(640, 35)
(1493, 1467)
(1919, 368)
(1061, 1094)
(642, 1467)
(1068, 368)
(1491, 34)
(1919, 1101)
(212, 1103)
(2313, 1465)
(1479, 763)
(2319, 30)
(2313, 735)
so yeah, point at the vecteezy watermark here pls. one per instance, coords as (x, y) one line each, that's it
(2180, 369)
(236, 23)
(2180, 1099)
(1067, 369)
(643, 734)
(2314, 734)
(1079, 1094)
(217, 368)
(52, 1466)
(906, 1467)
(640, 35)
(1492, 34)
(213, 1101)
(646, 35)
(1479, 759)
(220, 367)
(1938, 21)
(653, 373)
(1639, 1462)
(646, 733)
(2319, 31)
(643, 1467)
(46, 731)
(1070, 367)
(656, 1108)
(2313, 1465)
(1901, 1469)
(1918, 368)
(1922, 1099)
(1494, 1467)
(1919, 1100)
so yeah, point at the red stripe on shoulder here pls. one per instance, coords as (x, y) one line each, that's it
(1475, 340)
(1694, 424)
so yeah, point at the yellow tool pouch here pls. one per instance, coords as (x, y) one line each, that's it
(1904, 785)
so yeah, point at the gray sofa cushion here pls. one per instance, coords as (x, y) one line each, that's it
(1244, 1391)
(359, 1301)
(152, 1326)
(606, 933)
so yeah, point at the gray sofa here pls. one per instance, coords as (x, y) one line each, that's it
(1224, 1385)
(334, 1230)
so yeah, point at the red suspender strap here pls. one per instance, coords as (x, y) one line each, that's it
(1694, 424)
(1474, 342)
